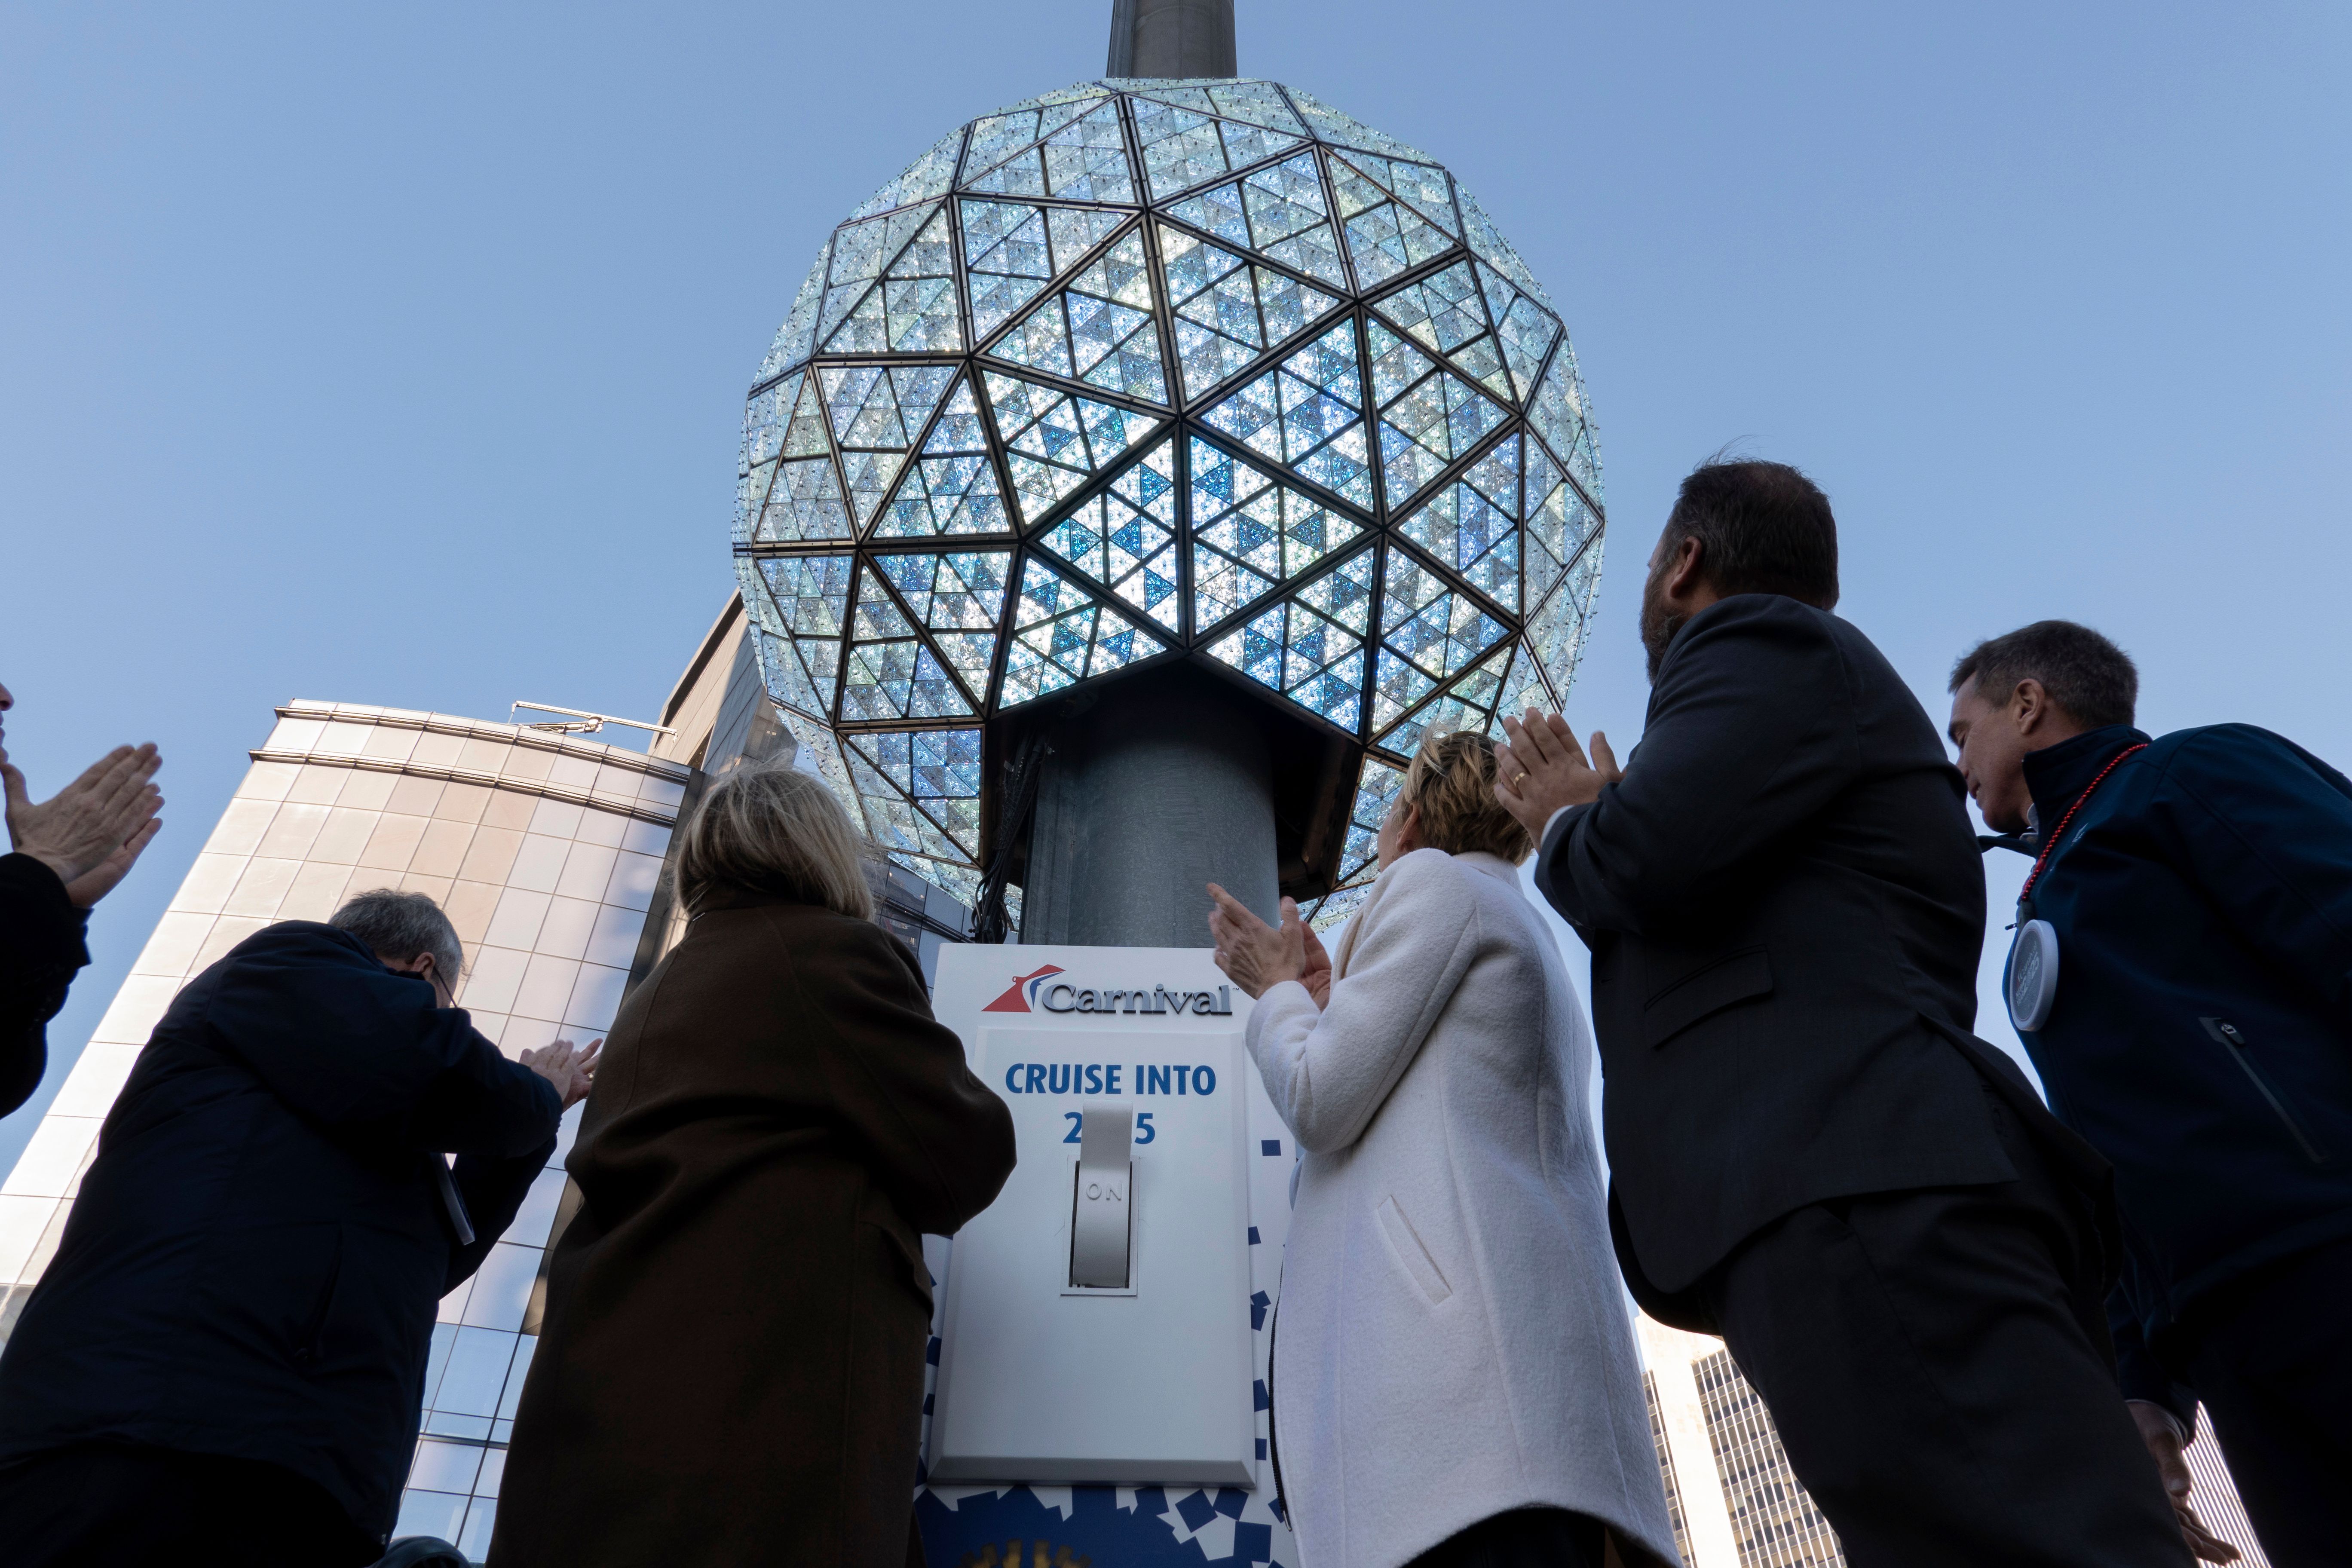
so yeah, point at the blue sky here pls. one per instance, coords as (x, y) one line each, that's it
(397, 354)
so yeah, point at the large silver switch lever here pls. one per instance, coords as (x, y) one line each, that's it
(1102, 1217)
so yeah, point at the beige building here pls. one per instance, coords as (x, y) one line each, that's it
(546, 850)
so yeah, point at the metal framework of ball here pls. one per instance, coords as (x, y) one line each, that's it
(1144, 371)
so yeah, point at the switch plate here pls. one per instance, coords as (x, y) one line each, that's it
(1049, 1385)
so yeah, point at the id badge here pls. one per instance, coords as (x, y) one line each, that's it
(2031, 982)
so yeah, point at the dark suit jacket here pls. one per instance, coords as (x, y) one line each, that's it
(40, 951)
(730, 1369)
(253, 1263)
(1785, 905)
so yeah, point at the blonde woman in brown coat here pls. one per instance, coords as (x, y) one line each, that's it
(731, 1368)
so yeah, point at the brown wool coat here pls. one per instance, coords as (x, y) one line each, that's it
(731, 1367)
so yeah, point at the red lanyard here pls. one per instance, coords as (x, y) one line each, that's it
(2051, 843)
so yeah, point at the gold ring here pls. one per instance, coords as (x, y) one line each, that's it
(1515, 783)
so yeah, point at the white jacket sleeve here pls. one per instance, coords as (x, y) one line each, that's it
(1329, 1071)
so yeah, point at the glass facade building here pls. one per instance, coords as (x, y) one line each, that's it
(1774, 1516)
(1148, 371)
(546, 852)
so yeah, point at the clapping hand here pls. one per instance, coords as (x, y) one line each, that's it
(1539, 768)
(572, 1072)
(92, 831)
(1256, 956)
(1316, 975)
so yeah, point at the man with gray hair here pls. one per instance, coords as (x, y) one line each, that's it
(231, 1344)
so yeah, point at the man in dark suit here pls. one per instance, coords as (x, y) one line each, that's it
(226, 1358)
(1811, 1155)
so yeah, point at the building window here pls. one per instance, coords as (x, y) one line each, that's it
(1772, 1515)
(1667, 1471)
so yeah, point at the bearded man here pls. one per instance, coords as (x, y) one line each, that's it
(1810, 1154)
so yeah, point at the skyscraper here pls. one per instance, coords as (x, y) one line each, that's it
(1733, 1498)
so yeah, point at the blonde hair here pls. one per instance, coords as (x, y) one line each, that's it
(1452, 783)
(775, 830)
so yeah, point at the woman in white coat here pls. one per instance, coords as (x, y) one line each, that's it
(1454, 1377)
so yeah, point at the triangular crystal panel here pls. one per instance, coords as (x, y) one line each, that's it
(959, 598)
(1428, 416)
(1056, 440)
(1340, 129)
(1307, 415)
(1309, 658)
(1469, 703)
(1013, 249)
(861, 251)
(936, 770)
(1251, 533)
(1183, 147)
(796, 339)
(1385, 237)
(1257, 103)
(1471, 525)
(1003, 154)
(1124, 537)
(1081, 156)
(1429, 632)
(890, 673)
(1556, 630)
(875, 413)
(1559, 417)
(785, 679)
(926, 178)
(1489, 245)
(1087, 161)
(810, 595)
(1559, 522)
(803, 503)
(1444, 312)
(891, 819)
(1099, 328)
(1061, 636)
(1217, 327)
(1376, 791)
(952, 488)
(1422, 187)
(1524, 330)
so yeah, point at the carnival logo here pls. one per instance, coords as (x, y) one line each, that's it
(1018, 997)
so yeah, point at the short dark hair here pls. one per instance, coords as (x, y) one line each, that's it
(1762, 528)
(2088, 676)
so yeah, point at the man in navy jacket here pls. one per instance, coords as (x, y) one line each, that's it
(234, 1333)
(2200, 1038)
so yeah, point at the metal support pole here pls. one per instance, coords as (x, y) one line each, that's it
(1146, 798)
(1171, 39)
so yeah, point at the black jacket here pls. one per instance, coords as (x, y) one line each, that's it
(1785, 907)
(254, 1261)
(40, 951)
(2201, 1036)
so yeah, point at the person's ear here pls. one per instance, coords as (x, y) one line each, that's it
(1682, 570)
(2030, 705)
